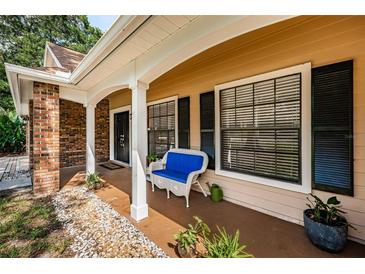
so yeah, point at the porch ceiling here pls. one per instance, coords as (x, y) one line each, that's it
(148, 34)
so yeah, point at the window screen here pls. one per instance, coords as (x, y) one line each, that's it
(332, 96)
(161, 128)
(261, 128)
(207, 126)
(184, 122)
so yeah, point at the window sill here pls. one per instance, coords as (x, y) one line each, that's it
(302, 188)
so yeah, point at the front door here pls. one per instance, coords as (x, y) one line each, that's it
(121, 136)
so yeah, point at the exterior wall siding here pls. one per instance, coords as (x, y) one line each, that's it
(46, 135)
(320, 40)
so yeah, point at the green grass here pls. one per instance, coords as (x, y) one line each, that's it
(29, 228)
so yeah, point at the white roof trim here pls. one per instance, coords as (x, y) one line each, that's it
(14, 90)
(34, 74)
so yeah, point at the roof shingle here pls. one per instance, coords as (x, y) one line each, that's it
(68, 58)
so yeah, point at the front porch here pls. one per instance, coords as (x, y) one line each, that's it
(266, 236)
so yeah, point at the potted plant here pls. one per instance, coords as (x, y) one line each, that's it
(224, 245)
(94, 181)
(325, 225)
(189, 242)
(151, 158)
(216, 192)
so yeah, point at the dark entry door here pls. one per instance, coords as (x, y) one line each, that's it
(121, 136)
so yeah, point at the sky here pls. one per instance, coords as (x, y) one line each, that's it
(103, 22)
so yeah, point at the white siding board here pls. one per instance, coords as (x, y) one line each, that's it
(178, 20)
(165, 24)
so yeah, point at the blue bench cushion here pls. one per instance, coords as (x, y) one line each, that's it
(173, 175)
(183, 163)
(179, 166)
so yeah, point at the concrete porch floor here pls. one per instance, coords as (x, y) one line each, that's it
(265, 236)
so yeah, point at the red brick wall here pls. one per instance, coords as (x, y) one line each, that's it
(73, 133)
(102, 131)
(46, 147)
(59, 137)
(30, 140)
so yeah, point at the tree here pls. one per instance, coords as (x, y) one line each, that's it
(23, 38)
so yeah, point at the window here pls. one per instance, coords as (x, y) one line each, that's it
(207, 126)
(332, 96)
(161, 127)
(260, 128)
(263, 128)
(184, 122)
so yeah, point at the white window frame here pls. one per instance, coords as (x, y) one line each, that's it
(164, 100)
(306, 185)
(111, 134)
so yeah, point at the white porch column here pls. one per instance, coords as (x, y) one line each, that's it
(139, 207)
(90, 138)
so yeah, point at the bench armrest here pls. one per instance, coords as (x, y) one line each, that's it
(193, 175)
(156, 165)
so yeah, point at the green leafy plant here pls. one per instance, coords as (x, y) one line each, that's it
(94, 181)
(224, 245)
(220, 245)
(326, 213)
(152, 157)
(12, 132)
(188, 238)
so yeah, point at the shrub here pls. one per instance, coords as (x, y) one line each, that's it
(220, 245)
(224, 245)
(12, 132)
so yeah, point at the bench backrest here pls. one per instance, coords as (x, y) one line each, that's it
(183, 162)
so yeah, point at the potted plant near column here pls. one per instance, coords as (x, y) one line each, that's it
(94, 181)
(325, 225)
(151, 158)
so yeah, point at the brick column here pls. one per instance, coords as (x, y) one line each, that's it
(30, 125)
(46, 165)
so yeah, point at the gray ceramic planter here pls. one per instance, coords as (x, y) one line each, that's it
(329, 238)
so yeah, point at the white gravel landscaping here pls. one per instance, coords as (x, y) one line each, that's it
(98, 230)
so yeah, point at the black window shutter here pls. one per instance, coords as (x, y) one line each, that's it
(184, 122)
(207, 126)
(332, 128)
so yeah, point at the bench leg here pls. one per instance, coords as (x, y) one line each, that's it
(187, 200)
(202, 189)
